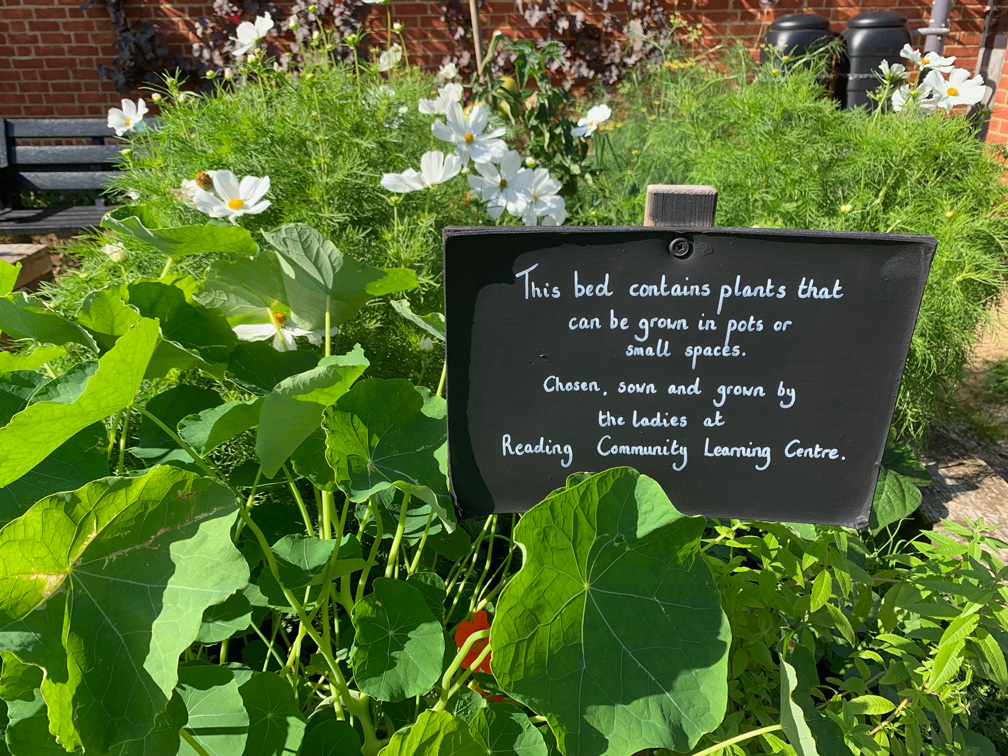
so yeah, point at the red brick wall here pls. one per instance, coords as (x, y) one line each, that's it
(51, 47)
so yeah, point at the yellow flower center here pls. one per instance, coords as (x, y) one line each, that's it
(503, 184)
(278, 318)
(129, 122)
(236, 204)
(925, 61)
(535, 197)
(953, 91)
(469, 137)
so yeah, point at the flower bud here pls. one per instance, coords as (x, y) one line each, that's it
(530, 161)
(846, 208)
(204, 181)
(116, 252)
(316, 34)
(426, 344)
(228, 74)
(397, 27)
(211, 74)
(156, 97)
(313, 8)
(293, 23)
(949, 213)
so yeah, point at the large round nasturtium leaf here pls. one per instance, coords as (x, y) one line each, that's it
(225, 620)
(400, 643)
(613, 627)
(276, 727)
(435, 733)
(505, 731)
(389, 433)
(141, 558)
(217, 717)
(330, 738)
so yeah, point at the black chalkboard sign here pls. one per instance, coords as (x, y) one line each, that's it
(753, 373)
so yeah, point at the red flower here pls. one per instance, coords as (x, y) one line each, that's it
(480, 622)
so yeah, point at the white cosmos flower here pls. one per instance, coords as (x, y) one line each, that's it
(930, 60)
(546, 203)
(126, 119)
(447, 72)
(248, 34)
(281, 330)
(231, 199)
(586, 126)
(918, 100)
(503, 187)
(435, 168)
(466, 133)
(960, 89)
(894, 71)
(390, 58)
(449, 93)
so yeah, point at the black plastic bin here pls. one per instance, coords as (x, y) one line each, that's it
(870, 38)
(795, 34)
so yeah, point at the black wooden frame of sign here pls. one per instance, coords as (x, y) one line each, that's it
(496, 339)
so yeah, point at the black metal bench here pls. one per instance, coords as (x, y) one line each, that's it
(37, 166)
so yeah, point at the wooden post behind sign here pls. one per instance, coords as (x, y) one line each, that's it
(680, 205)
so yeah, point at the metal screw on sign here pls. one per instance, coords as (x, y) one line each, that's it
(680, 247)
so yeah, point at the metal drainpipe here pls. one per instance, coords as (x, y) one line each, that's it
(937, 27)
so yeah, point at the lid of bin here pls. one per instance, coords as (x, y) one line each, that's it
(801, 21)
(877, 19)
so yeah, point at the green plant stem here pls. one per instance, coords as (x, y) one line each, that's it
(397, 538)
(248, 502)
(464, 677)
(200, 750)
(737, 739)
(362, 584)
(358, 706)
(300, 501)
(207, 468)
(269, 645)
(327, 507)
(167, 267)
(124, 434)
(223, 651)
(444, 375)
(423, 542)
(446, 679)
(116, 421)
(486, 569)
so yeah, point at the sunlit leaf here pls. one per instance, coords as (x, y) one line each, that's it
(318, 277)
(432, 323)
(217, 717)
(276, 726)
(154, 445)
(179, 241)
(613, 627)
(506, 731)
(33, 360)
(8, 276)
(142, 558)
(38, 430)
(399, 642)
(293, 410)
(26, 317)
(257, 367)
(209, 428)
(388, 433)
(435, 733)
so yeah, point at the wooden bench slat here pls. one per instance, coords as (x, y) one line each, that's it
(47, 220)
(56, 128)
(64, 155)
(66, 180)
